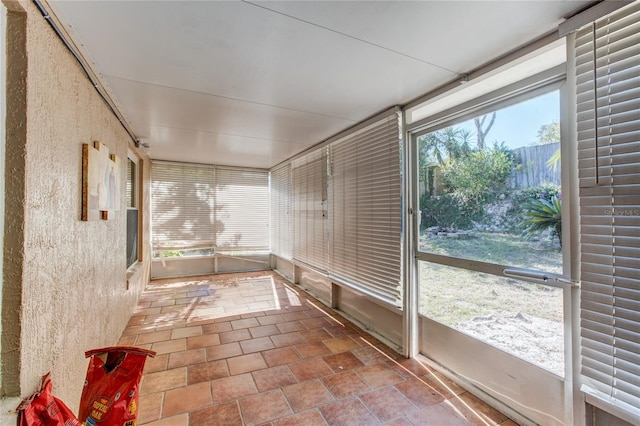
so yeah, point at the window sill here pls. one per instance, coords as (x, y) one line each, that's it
(133, 273)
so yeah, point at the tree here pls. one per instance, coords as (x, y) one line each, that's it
(438, 147)
(549, 133)
(471, 182)
(478, 174)
(482, 132)
(445, 144)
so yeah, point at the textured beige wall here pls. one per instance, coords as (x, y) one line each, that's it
(71, 275)
(15, 146)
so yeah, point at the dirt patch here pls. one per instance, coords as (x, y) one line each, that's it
(534, 339)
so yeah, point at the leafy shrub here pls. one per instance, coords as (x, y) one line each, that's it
(172, 253)
(479, 174)
(450, 210)
(516, 199)
(546, 191)
(471, 182)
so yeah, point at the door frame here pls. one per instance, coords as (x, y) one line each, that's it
(513, 385)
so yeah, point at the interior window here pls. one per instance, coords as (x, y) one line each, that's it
(132, 212)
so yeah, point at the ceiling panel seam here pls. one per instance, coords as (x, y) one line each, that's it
(353, 37)
(229, 98)
(222, 134)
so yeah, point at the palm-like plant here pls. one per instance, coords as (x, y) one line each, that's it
(445, 144)
(541, 214)
(554, 161)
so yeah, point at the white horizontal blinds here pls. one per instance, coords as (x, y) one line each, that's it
(343, 211)
(365, 210)
(131, 176)
(608, 96)
(309, 174)
(281, 217)
(182, 203)
(242, 209)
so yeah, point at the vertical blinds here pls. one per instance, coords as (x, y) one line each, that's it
(309, 174)
(228, 208)
(365, 210)
(608, 110)
(281, 226)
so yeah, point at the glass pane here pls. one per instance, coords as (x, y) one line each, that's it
(490, 187)
(521, 318)
(132, 236)
(174, 249)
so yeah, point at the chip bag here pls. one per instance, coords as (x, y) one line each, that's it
(44, 409)
(110, 393)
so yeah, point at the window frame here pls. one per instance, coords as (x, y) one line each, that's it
(135, 199)
(211, 182)
(545, 82)
(420, 331)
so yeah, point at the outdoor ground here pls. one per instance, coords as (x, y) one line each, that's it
(522, 318)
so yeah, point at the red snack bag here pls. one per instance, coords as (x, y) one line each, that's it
(110, 393)
(44, 409)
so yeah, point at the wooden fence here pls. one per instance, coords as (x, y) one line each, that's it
(532, 167)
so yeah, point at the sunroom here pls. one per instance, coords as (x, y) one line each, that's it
(458, 180)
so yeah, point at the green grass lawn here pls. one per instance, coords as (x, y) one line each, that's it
(453, 295)
(503, 249)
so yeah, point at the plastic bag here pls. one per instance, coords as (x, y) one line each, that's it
(44, 409)
(110, 393)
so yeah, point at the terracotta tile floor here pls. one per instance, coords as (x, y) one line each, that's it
(252, 349)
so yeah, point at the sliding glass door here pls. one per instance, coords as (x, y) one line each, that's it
(493, 298)
(491, 229)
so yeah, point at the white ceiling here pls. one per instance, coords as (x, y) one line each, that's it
(253, 83)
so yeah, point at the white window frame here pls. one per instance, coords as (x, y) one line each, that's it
(135, 201)
(516, 91)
